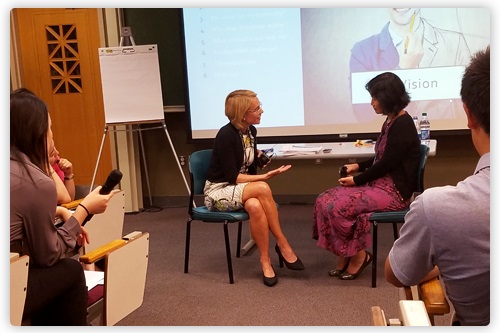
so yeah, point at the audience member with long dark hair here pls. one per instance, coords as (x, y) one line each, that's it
(56, 293)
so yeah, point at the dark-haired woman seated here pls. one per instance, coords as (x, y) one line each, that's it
(385, 182)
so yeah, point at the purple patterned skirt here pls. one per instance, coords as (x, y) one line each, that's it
(341, 214)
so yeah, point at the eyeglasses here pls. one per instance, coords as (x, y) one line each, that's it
(257, 109)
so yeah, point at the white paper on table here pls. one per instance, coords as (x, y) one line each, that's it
(300, 149)
(93, 278)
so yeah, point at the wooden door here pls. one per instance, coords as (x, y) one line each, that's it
(58, 51)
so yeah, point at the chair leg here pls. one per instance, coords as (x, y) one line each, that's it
(395, 230)
(238, 242)
(188, 239)
(374, 261)
(228, 254)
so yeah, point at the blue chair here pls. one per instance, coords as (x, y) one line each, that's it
(395, 217)
(199, 163)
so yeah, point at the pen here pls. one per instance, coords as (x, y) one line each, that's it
(411, 29)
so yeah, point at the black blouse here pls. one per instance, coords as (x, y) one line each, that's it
(400, 159)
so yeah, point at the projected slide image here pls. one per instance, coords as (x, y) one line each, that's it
(430, 58)
(244, 48)
(309, 66)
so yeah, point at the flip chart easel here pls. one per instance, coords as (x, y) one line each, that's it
(132, 94)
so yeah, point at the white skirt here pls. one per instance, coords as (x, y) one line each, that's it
(224, 197)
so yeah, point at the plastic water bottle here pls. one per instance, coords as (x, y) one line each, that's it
(417, 125)
(425, 129)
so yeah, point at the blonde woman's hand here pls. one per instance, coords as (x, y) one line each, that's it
(279, 170)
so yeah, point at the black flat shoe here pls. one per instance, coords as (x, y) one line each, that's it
(270, 281)
(348, 276)
(297, 265)
(337, 272)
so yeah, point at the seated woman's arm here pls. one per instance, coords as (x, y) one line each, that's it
(242, 178)
(69, 178)
(62, 193)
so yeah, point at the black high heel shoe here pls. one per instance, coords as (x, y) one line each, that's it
(270, 281)
(297, 265)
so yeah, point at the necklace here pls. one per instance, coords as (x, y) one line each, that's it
(246, 142)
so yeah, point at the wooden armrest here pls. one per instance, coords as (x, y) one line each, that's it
(72, 205)
(378, 316)
(434, 298)
(100, 252)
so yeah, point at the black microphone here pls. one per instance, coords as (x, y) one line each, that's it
(113, 179)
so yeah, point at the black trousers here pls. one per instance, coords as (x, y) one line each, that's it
(56, 295)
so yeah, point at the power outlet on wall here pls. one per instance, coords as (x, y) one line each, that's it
(182, 160)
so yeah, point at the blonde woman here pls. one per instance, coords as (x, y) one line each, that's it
(233, 183)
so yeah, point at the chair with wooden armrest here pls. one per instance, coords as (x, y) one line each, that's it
(125, 263)
(107, 226)
(433, 296)
(72, 204)
(422, 303)
(18, 285)
(378, 316)
(412, 313)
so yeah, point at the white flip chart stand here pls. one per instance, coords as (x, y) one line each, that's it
(132, 94)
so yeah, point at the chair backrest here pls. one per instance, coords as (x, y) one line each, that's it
(424, 152)
(199, 162)
(125, 279)
(18, 285)
(108, 226)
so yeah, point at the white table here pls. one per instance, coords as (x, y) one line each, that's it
(339, 150)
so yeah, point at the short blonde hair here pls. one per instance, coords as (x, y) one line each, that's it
(237, 104)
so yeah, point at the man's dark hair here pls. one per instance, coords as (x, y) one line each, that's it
(475, 90)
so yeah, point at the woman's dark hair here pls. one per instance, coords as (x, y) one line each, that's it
(29, 124)
(388, 89)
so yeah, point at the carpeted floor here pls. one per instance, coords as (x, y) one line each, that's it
(204, 297)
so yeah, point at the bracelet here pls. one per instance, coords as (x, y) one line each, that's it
(88, 213)
(70, 177)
